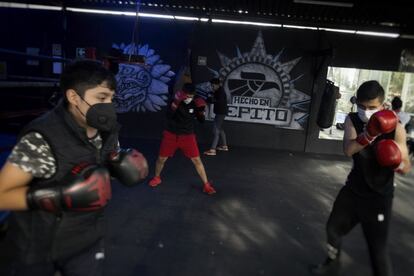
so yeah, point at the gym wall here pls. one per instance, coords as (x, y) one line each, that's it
(288, 66)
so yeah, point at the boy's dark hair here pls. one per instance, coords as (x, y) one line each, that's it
(396, 103)
(189, 88)
(83, 75)
(215, 81)
(370, 90)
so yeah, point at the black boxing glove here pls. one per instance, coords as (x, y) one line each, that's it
(129, 166)
(85, 188)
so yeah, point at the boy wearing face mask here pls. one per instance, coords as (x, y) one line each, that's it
(376, 142)
(56, 180)
(179, 134)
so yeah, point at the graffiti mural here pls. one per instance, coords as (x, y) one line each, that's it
(142, 87)
(260, 88)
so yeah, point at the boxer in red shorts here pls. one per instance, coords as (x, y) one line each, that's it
(179, 134)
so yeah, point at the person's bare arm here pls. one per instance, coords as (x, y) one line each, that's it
(13, 187)
(401, 140)
(350, 145)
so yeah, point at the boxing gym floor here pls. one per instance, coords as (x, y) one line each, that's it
(267, 218)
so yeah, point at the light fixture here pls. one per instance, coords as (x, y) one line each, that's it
(187, 18)
(392, 35)
(299, 27)
(100, 11)
(325, 3)
(245, 23)
(29, 6)
(407, 36)
(112, 12)
(338, 30)
(155, 15)
(214, 20)
(389, 24)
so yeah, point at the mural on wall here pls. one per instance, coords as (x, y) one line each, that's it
(142, 87)
(260, 88)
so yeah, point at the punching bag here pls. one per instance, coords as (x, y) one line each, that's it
(184, 75)
(326, 112)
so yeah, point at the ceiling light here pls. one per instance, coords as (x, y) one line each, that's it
(245, 23)
(100, 11)
(407, 36)
(392, 35)
(28, 6)
(338, 30)
(325, 3)
(389, 24)
(299, 27)
(187, 18)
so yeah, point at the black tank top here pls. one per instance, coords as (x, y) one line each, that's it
(367, 177)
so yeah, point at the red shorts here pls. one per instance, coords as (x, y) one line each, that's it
(185, 142)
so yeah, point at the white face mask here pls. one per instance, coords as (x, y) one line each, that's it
(364, 115)
(188, 100)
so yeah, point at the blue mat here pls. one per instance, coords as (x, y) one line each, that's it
(6, 141)
(3, 216)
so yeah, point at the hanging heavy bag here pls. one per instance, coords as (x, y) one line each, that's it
(327, 107)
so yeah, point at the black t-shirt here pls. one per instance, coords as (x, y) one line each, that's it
(33, 155)
(181, 121)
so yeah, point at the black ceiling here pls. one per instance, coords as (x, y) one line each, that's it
(390, 15)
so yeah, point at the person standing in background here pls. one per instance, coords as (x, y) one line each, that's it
(219, 99)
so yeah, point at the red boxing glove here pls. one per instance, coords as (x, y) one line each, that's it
(364, 138)
(388, 154)
(381, 122)
(200, 103)
(178, 98)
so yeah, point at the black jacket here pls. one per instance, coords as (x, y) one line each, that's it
(219, 99)
(40, 236)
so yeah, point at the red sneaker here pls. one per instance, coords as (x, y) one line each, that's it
(208, 189)
(155, 181)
